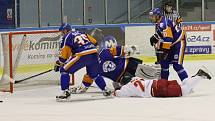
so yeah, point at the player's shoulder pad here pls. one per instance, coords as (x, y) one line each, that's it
(66, 36)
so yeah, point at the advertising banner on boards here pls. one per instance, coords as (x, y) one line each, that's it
(199, 38)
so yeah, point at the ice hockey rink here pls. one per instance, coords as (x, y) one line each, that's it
(38, 104)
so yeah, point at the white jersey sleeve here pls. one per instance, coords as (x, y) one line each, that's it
(137, 87)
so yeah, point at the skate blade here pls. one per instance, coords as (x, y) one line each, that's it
(62, 100)
(207, 71)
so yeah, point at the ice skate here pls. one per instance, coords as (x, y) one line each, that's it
(107, 92)
(64, 96)
(78, 90)
(203, 72)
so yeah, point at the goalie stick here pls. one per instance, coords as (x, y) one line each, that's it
(83, 98)
(18, 81)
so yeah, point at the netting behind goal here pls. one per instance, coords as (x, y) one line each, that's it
(26, 54)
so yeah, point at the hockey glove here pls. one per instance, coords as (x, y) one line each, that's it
(129, 50)
(154, 39)
(57, 66)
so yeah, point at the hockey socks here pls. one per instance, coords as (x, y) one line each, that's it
(65, 79)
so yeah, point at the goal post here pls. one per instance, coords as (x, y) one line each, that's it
(26, 55)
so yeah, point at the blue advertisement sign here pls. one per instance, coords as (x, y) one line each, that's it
(198, 50)
(7, 14)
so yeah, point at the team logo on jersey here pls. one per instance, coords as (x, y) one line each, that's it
(109, 66)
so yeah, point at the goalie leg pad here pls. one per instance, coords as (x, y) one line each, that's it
(148, 71)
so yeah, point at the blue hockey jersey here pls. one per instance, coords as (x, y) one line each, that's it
(113, 63)
(76, 43)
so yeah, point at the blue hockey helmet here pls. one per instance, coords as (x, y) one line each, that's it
(156, 11)
(65, 26)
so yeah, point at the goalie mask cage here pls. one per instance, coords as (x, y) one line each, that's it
(26, 54)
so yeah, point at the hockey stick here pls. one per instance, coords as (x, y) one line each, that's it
(84, 98)
(18, 81)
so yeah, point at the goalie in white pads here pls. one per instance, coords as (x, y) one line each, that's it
(138, 87)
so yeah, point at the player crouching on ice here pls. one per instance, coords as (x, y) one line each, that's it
(138, 87)
(116, 65)
(77, 50)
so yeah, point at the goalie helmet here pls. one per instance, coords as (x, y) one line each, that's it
(65, 26)
(108, 42)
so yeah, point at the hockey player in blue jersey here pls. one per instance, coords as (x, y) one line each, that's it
(77, 50)
(172, 15)
(170, 42)
(115, 66)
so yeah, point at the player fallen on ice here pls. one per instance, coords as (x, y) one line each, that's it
(169, 43)
(77, 50)
(117, 65)
(138, 87)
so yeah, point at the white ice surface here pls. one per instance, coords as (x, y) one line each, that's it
(38, 104)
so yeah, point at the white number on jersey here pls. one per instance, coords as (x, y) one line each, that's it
(81, 39)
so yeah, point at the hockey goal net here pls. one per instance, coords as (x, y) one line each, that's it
(28, 58)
